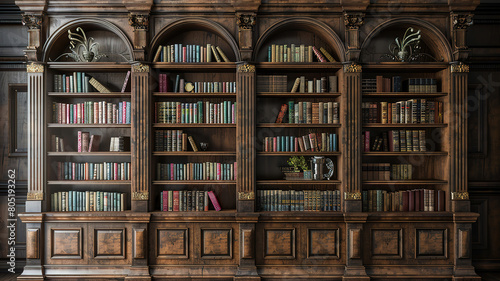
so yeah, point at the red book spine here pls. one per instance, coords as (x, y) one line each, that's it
(68, 113)
(318, 54)
(165, 201)
(115, 168)
(275, 144)
(172, 171)
(235, 171)
(218, 172)
(183, 54)
(367, 141)
(79, 141)
(390, 139)
(279, 119)
(67, 84)
(422, 202)
(417, 200)
(214, 200)
(406, 202)
(296, 144)
(124, 112)
(176, 200)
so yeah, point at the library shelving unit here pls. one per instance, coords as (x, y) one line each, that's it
(256, 235)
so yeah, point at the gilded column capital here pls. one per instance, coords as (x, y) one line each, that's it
(140, 68)
(354, 20)
(246, 68)
(246, 21)
(459, 68)
(352, 68)
(140, 196)
(35, 196)
(34, 67)
(32, 21)
(246, 196)
(460, 195)
(139, 21)
(352, 195)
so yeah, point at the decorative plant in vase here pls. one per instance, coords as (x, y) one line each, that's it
(297, 166)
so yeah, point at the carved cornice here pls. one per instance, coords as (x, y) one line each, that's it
(354, 20)
(352, 67)
(246, 21)
(352, 195)
(246, 68)
(140, 196)
(460, 195)
(140, 68)
(34, 67)
(35, 196)
(461, 21)
(246, 196)
(32, 21)
(139, 22)
(459, 68)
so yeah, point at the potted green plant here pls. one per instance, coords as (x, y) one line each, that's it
(298, 165)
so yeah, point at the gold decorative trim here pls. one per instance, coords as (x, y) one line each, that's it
(140, 22)
(354, 21)
(140, 68)
(459, 67)
(352, 195)
(246, 196)
(140, 196)
(460, 195)
(34, 67)
(461, 21)
(352, 67)
(246, 21)
(246, 68)
(35, 196)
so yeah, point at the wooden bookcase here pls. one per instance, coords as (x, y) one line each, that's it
(243, 241)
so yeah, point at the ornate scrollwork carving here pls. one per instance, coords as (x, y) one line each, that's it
(246, 68)
(32, 21)
(36, 196)
(352, 67)
(461, 21)
(140, 22)
(460, 67)
(460, 195)
(34, 67)
(246, 196)
(246, 21)
(140, 68)
(140, 196)
(354, 20)
(352, 195)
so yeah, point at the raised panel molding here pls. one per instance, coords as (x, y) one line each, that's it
(33, 243)
(387, 243)
(354, 243)
(66, 243)
(464, 243)
(109, 243)
(216, 243)
(480, 227)
(172, 243)
(279, 243)
(139, 243)
(323, 243)
(431, 243)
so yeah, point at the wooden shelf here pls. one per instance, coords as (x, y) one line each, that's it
(193, 182)
(89, 182)
(192, 153)
(308, 182)
(90, 154)
(193, 125)
(403, 95)
(90, 95)
(405, 66)
(57, 125)
(298, 95)
(283, 153)
(193, 95)
(405, 182)
(195, 66)
(391, 153)
(403, 125)
(90, 66)
(300, 65)
(288, 125)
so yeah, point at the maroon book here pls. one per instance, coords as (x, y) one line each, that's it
(440, 199)
(411, 200)
(422, 202)
(165, 201)
(406, 202)
(417, 201)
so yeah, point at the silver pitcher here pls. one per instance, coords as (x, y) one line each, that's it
(317, 164)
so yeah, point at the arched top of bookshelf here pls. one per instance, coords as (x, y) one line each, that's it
(112, 41)
(196, 31)
(298, 31)
(432, 42)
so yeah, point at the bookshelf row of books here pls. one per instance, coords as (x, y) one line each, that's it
(120, 144)
(190, 53)
(187, 201)
(93, 171)
(183, 86)
(316, 142)
(396, 141)
(195, 113)
(316, 85)
(397, 84)
(210, 171)
(298, 200)
(272, 83)
(386, 171)
(79, 82)
(173, 140)
(417, 200)
(91, 112)
(297, 53)
(412, 111)
(87, 142)
(57, 143)
(309, 113)
(87, 201)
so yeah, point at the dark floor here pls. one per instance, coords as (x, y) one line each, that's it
(8, 276)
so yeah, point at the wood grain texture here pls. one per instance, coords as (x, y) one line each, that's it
(216, 243)
(323, 244)
(140, 242)
(109, 243)
(172, 243)
(67, 243)
(279, 243)
(387, 243)
(33, 243)
(431, 243)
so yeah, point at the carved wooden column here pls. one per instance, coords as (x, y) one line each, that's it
(463, 269)
(245, 137)
(140, 269)
(140, 23)
(354, 269)
(246, 22)
(247, 269)
(36, 138)
(140, 138)
(33, 269)
(458, 135)
(351, 138)
(353, 21)
(35, 36)
(459, 24)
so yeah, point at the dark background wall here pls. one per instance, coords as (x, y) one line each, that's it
(483, 121)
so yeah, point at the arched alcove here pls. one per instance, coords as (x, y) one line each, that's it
(300, 31)
(432, 42)
(196, 31)
(112, 41)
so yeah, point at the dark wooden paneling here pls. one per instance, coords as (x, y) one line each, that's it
(172, 243)
(323, 244)
(387, 243)
(279, 243)
(216, 243)
(431, 243)
(67, 243)
(109, 243)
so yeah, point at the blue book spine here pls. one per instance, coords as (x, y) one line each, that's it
(269, 54)
(334, 137)
(198, 53)
(129, 116)
(278, 143)
(286, 139)
(120, 112)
